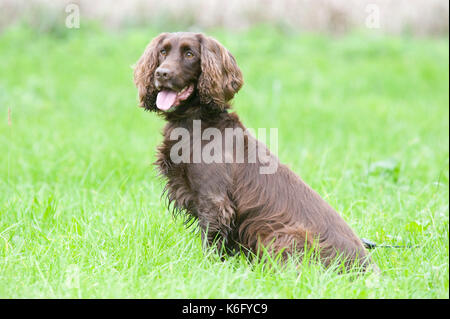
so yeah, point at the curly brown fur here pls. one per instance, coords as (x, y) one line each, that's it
(237, 208)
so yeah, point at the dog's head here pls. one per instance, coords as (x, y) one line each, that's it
(177, 66)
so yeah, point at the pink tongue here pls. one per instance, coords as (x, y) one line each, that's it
(165, 99)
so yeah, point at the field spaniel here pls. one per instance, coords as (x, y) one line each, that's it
(189, 79)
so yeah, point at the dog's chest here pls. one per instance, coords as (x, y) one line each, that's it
(190, 147)
(174, 163)
(191, 176)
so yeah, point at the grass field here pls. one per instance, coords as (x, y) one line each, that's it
(362, 119)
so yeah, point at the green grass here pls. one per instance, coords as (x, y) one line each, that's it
(362, 118)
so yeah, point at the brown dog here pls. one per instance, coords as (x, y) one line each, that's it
(189, 78)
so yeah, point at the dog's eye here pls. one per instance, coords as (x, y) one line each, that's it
(163, 52)
(189, 54)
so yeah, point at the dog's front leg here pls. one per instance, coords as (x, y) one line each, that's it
(216, 225)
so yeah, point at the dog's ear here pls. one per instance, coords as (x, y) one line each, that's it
(144, 71)
(220, 78)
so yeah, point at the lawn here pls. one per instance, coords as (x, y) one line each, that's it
(363, 119)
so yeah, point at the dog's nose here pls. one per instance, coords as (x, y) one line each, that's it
(163, 74)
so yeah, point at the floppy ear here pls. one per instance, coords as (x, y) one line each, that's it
(144, 71)
(221, 78)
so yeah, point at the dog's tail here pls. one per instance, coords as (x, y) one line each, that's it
(371, 245)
